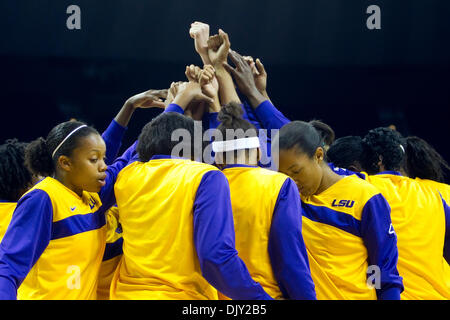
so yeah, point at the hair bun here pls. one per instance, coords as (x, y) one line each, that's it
(230, 112)
(38, 158)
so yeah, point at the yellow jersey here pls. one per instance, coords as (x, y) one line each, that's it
(418, 216)
(178, 235)
(348, 236)
(6, 211)
(267, 221)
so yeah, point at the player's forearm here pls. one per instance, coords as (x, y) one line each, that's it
(173, 107)
(255, 97)
(270, 116)
(113, 136)
(227, 91)
(124, 115)
(205, 58)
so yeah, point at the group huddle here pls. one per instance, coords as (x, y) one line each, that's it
(356, 218)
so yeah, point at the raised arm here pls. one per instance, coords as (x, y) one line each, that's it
(270, 116)
(218, 49)
(199, 31)
(215, 243)
(113, 135)
(381, 243)
(106, 194)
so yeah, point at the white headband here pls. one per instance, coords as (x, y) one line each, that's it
(68, 136)
(237, 144)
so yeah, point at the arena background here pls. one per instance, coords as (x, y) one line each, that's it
(322, 61)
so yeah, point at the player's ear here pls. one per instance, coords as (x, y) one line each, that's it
(259, 154)
(64, 163)
(319, 155)
(218, 158)
(380, 162)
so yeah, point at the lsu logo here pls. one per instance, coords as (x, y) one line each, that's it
(343, 203)
(92, 203)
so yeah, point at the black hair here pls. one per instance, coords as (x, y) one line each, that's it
(15, 177)
(326, 133)
(302, 135)
(385, 145)
(156, 136)
(231, 119)
(38, 154)
(423, 161)
(346, 152)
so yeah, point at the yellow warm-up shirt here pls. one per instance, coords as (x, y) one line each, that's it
(57, 241)
(155, 202)
(267, 221)
(178, 235)
(418, 217)
(346, 229)
(112, 255)
(6, 211)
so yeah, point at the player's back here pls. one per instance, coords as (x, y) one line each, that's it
(155, 201)
(254, 192)
(442, 188)
(418, 218)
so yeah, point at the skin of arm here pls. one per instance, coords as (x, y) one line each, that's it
(147, 99)
(218, 48)
(245, 81)
(190, 91)
(199, 31)
(259, 75)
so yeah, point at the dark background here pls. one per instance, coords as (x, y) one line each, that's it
(322, 61)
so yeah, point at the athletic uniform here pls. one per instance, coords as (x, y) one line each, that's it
(60, 255)
(347, 229)
(267, 221)
(178, 234)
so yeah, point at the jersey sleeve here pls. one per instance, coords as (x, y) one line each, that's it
(113, 136)
(27, 236)
(215, 243)
(106, 194)
(287, 249)
(250, 115)
(173, 107)
(213, 121)
(447, 231)
(381, 243)
(270, 116)
(346, 172)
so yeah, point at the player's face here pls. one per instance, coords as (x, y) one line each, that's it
(88, 164)
(305, 171)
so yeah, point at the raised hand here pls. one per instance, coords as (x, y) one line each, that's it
(218, 48)
(192, 73)
(199, 31)
(210, 86)
(148, 99)
(252, 65)
(208, 81)
(244, 78)
(172, 92)
(190, 92)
